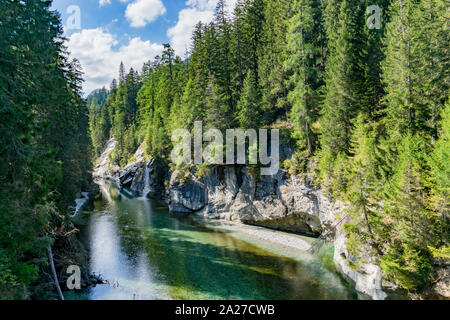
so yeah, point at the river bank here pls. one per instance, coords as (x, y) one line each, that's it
(146, 252)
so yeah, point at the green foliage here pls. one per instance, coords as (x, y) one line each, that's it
(416, 89)
(343, 79)
(202, 170)
(442, 253)
(305, 67)
(363, 188)
(249, 106)
(411, 226)
(272, 72)
(45, 149)
(366, 109)
(440, 170)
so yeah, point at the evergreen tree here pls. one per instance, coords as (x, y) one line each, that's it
(249, 107)
(364, 190)
(411, 225)
(44, 147)
(440, 182)
(415, 70)
(344, 80)
(305, 71)
(272, 54)
(247, 40)
(122, 72)
(216, 107)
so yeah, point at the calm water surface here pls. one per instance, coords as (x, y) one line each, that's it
(152, 254)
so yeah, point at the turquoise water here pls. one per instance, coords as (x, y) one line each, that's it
(147, 253)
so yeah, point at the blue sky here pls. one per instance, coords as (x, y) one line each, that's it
(132, 31)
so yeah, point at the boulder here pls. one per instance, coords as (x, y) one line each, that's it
(127, 175)
(188, 196)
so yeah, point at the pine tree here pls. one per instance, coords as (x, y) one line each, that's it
(411, 225)
(344, 85)
(44, 148)
(122, 72)
(304, 68)
(272, 54)
(371, 57)
(433, 26)
(250, 105)
(414, 70)
(247, 40)
(440, 182)
(364, 190)
(168, 58)
(222, 48)
(216, 107)
(344, 78)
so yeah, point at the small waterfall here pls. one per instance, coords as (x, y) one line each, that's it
(147, 189)
(80, 202)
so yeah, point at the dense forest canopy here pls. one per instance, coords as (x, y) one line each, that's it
(367, 107)
(44, 143)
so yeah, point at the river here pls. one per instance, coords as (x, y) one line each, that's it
(145, 252)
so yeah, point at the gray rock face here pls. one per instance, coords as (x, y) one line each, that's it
(145, 182)
(138, 176)
(139, 179)
(104, 169)
(442, 284)
(368, 279)
(127, 175)
(280, 202)
(185, 197)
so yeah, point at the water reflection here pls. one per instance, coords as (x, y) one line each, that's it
(150, 254)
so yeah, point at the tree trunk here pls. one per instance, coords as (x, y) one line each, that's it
(55, 277)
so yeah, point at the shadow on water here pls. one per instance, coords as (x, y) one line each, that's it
(157, 255)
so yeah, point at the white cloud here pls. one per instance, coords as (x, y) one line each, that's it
(202, 4)
(100, 57)
(180, 35)
(198, 10)
(104, 2)
(142, 12)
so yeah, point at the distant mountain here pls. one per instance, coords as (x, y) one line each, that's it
(97, 98)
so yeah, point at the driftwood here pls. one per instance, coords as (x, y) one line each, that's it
(55, 277)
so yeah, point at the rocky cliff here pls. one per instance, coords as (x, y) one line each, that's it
(234, 193)
(281, 202)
